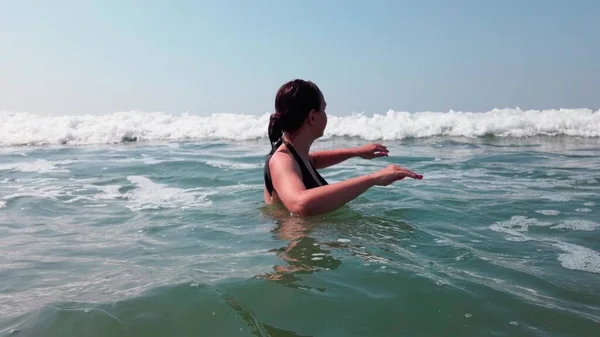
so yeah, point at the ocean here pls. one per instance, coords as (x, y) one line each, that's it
(153, 224)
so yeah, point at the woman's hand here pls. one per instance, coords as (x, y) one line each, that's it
(371, 151)
(393, 173)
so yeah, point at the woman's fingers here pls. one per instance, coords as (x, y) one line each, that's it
(410, 173)
(415, 175)
(374, 151)
(381, 148)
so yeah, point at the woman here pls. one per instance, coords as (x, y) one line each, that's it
(291, 175)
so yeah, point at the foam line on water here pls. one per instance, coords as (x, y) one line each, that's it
(573, 257)
(39, 166)
(151, 195)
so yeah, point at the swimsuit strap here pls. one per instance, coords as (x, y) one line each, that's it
(307, 177)
(267, 172)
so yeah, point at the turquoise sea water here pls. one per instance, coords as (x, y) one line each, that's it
(500, 238)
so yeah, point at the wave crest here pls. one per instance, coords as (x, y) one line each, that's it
(34, 129)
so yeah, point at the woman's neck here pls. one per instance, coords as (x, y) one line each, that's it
(301, 142)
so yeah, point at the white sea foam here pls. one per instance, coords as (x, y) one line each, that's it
(40, 188)
(151, 195)
(40, 166)
(517, 225)
(578, 225)
(146, 194)
(549, 212)
(574, 257)
(2, 204)
(33, 129)
(231, 165)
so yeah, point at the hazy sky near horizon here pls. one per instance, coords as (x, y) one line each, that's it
(95, 57)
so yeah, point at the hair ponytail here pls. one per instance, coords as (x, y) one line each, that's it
(275, 129)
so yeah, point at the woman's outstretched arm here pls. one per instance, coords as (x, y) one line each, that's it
(286, 174)
(327, 158)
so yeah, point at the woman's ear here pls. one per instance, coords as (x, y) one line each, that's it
(312, 118)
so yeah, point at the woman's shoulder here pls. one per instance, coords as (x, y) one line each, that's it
(283, 159)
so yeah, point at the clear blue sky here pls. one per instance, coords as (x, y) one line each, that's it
(80, 57)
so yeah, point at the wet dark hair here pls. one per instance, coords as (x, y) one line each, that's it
(294, 100)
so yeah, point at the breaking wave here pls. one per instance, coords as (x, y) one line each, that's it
(19, 128)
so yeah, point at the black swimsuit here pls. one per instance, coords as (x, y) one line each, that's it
(307, 178)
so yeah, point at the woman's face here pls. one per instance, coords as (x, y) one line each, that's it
(320, 118)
